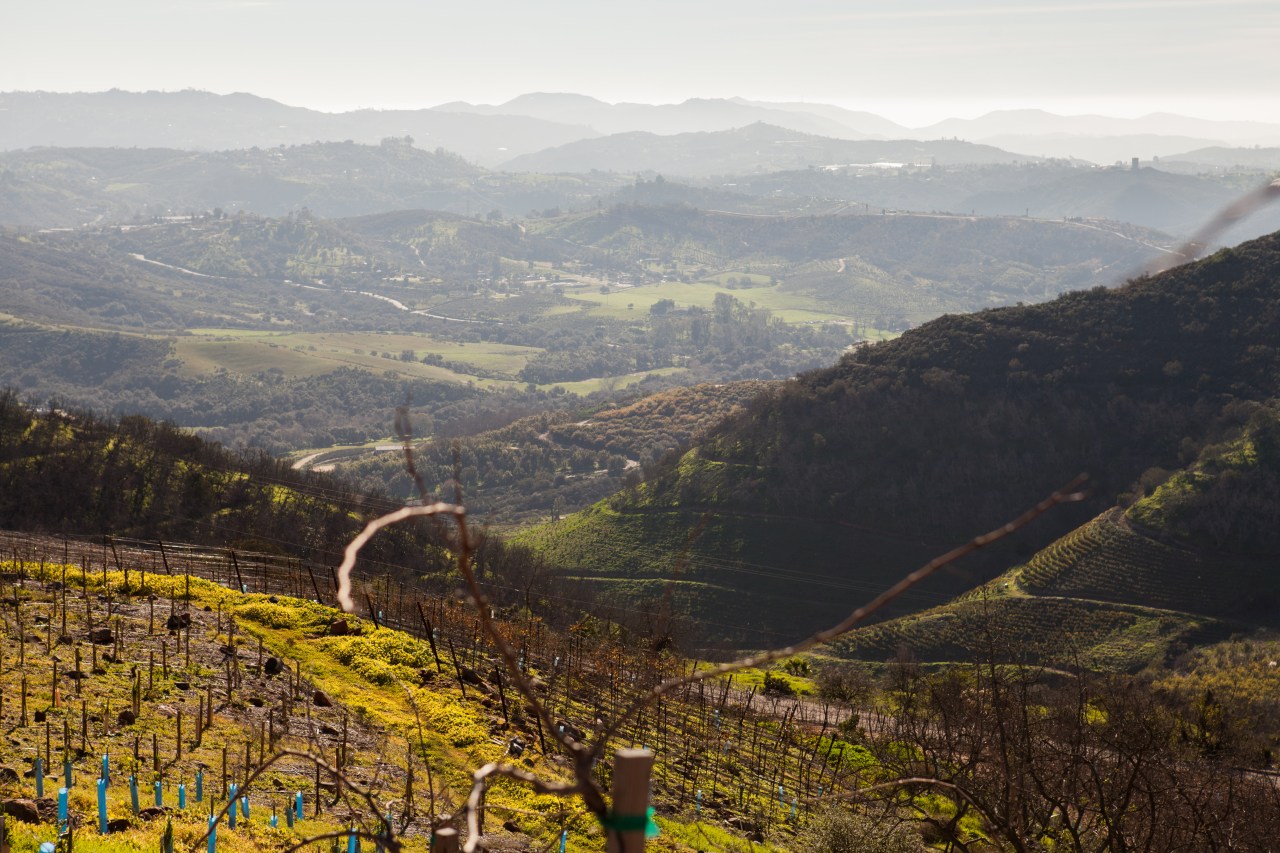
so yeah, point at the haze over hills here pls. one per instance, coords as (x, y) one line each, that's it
(491, 134)
(1218, 157)
(692, 116)
(747, 150)
(69, 187)
(202, 121)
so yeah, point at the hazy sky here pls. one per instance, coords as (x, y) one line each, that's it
(912, 60)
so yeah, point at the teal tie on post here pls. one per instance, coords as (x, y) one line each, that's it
(199, 786)
(351, 841)
(62, 808)
(297, 805)
(66, 772)
(133, 793)
(213, 834)
(159, 795)
(39, 777)
(182, 795)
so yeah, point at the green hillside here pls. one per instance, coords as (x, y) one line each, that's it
(76, 473)
(1130, 588)
(951, 430)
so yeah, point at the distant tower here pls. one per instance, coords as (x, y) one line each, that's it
(1133, 164)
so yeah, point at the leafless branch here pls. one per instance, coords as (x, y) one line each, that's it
(481, 776)
(584, 756)
(1244, 206)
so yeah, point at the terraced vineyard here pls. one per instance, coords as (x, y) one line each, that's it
(1108, 560)
(1040, 630)
(1105, 596)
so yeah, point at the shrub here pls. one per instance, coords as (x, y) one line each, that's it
(778, 685)
(839, 829)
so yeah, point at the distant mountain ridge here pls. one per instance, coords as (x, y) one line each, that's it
(754, 149)
(490, 134)
(691, 116)
(194, 120)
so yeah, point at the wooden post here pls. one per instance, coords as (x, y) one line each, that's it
(431, 637)
(342, 753)
(64, 602)
(457, 669)
(119, 568)
(502, 694)
(315, 586)
(445, 840)
(631, 769)
(240, 587)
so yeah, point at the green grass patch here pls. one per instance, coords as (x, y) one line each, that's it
(296, 355)
(789, 306)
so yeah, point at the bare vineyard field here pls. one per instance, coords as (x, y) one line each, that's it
(219, 694)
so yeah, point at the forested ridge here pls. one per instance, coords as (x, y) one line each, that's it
(954, 428)
(78, 473)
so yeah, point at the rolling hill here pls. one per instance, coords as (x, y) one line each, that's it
(752, 149)
(72, 187)
(1193, 561)
(848, 477)
(202, 121)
